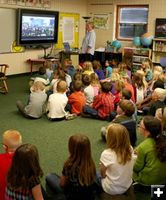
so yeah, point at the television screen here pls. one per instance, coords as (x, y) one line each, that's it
(160, 29)
(37, 27)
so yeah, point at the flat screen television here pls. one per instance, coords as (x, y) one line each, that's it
(160, 28)
(37, 27)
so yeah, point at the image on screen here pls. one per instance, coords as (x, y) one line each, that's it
(37, 28)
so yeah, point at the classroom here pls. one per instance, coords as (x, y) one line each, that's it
(128, 57)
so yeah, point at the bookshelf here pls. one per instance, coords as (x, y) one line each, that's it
(158, 49)
(138, 55)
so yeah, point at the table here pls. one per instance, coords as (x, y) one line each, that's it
(39, 62)
(103, 56)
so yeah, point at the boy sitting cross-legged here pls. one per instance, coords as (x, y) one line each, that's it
(57, 103)
(77, 99)
(102, 105)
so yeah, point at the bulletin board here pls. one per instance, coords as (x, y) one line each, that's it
(68, 29)
(8, 29)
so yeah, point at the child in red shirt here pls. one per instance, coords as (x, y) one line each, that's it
(11, 140)
(103, 104)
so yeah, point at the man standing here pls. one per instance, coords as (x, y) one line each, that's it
(88, 44)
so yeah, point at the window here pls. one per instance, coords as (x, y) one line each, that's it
(132, 21)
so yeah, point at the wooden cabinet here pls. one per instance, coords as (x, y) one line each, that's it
(138, 55)
(158, 50)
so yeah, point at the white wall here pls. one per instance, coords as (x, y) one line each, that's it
(157, 9)
(17, 61)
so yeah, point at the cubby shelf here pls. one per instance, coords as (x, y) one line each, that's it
(158, 49)
(138, 55)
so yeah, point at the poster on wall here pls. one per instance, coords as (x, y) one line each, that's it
(101, 21)
(68, 29)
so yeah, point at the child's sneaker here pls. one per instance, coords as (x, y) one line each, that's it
(103, 133)
(71, 116)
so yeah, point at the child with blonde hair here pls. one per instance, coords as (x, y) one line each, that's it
(157, 74)
(158, 68)
(118, 89)
(57, 103)
(88, 68)
(36, 104)
(79, 172)
(147, 67)
(11, 140)
(92, 89)
(123, 68)
(159, 98)
(116, 161)
(126, 81)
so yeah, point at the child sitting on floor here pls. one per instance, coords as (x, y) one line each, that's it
(11, 140)
(79, 172)
(57, 103)
(92, 89)
(116, 161)
(103, 104)
(124, 116)
(77, 99)
(23, 181)
(68, 67)
(37, 99)
(41, 76)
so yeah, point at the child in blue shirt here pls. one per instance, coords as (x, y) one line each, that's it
(108, 71)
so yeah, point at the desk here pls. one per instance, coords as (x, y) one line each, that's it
(39, 62)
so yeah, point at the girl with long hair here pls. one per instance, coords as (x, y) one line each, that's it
(147, 67)
(116, 161)
(79, 173)
(23, 181)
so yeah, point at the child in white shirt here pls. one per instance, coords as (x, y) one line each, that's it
(57, 103)
(116, 162)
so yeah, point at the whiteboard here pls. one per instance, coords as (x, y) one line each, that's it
(8, 29)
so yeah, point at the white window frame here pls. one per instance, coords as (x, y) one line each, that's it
(118, 22)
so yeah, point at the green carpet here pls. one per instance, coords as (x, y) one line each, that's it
(51, 138)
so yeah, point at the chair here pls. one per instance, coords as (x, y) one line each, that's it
(3, 78)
